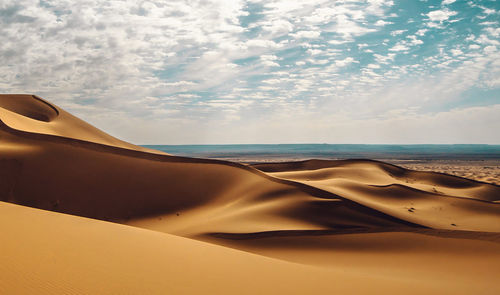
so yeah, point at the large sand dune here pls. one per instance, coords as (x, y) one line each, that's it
(350, 225)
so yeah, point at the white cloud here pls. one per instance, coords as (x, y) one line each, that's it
(306, 34)
(319, 61)
(490, 49)
(384, 59)
(338, 42)
(347, 27)
(277, 27)
(397, 32)
(269, 60)
(378, 7)
(495, 82)
(109, 49)
(344, 62)
(260, 43)
(447, 2)
(441, 15)
(495, 32)
(488, 24)
(180, 63)
(487, 10)
(406, 126)
(421, 32)
(268, 57)
(314, 51)
(399, 47)
(180, 83)
(483, 39)
(456, 52)
(381, 23)
(433, 25)
(414, 40)
(470, 38)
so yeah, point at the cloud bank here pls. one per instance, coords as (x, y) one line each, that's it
(178, 72)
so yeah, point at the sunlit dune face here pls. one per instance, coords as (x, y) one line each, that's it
(165, 224)
(30, 106)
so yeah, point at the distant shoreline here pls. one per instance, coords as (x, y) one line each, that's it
(297, 152)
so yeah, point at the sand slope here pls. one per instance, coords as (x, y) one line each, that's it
(33, 114)
(347, 217)
(430, 199)
(50, 253)
(53, 253)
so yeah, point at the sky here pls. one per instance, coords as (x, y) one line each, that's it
(262, 71)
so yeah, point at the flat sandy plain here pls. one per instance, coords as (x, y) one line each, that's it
(82, 212)
(486, 171)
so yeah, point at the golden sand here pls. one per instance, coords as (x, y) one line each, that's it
(197, 226)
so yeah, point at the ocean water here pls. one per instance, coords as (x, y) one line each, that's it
(252, 152)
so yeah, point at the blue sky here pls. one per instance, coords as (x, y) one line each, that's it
(187, 72)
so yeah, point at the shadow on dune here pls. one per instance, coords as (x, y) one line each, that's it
(103, 178)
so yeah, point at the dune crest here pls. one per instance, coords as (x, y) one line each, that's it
(320, 213)
(30, 113)
(30, 106)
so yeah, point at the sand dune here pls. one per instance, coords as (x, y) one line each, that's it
(344, 219)
(30, 113)
(430, 199)
(44, 252)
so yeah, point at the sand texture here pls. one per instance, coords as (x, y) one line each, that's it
(485, 171)
(116, 218)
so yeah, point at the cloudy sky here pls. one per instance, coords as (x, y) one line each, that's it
(262, 71)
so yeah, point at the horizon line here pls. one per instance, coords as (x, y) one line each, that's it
(407, 144)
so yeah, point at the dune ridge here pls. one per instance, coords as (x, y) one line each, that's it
(293, 211)
(30, 113)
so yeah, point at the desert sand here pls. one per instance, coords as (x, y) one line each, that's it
(84, 213)
(485, 171)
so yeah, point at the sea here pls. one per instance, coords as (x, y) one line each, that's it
(281, 152)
